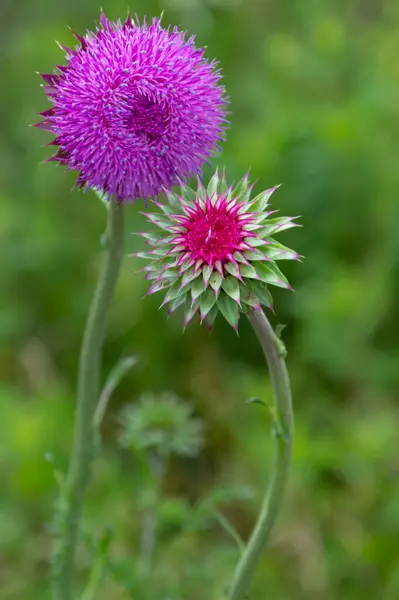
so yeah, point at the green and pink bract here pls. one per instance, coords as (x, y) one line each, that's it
(213, 250)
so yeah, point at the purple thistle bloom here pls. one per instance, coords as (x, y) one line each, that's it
(136, 108)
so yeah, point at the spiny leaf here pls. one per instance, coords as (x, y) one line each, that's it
(277, 251)
(229, 309)
(161, 221)
(276, 225)
(207, 271)
(216, 281)
(233, 269)
(198, 286)
(260, 202)
(261, 292)
(231, 287)
(257, 241)
(213, 185)
(251, 255)
(270, 273)
(248, 271)
(241, 190)
(189, 311)
(172, 293)
(187, 193)
(207, 302)
(188, 276)
(173, 200)
(176, 302)
(211, 316)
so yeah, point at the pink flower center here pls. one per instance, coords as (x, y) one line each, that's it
(214, 235)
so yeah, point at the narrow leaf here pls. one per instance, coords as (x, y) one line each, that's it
(207, 302)
(176, 302)
(188, 276)
(241, 190)
(211, 317)
(269, 273)
(213, 185)
(276, 225)
(216, 281)
(197, 287)
(261, 293)
(207, 271)
(260, 202)
(231, 286)
(248, 271)
(229, 310)
(233, 269)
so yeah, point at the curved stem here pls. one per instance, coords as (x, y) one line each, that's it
(73, 489)
(274, 352)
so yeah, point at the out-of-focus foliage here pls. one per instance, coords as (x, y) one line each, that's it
(314, 92)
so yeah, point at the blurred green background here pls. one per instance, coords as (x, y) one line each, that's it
(314, 90)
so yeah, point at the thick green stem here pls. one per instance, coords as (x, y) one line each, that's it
(283, 429)
(73, 489)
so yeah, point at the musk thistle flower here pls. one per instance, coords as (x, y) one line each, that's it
(214, 250)
(136, 108)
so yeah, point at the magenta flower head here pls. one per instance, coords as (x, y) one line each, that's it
(214, 250)
(136, 108)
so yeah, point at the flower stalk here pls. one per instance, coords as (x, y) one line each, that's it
(274, 352)
(73, 489)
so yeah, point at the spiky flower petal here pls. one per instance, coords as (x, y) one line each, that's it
(135, 108)
(214, 250)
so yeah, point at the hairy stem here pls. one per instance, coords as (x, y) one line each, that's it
(69, 510)
(283, 429)
(149, 526)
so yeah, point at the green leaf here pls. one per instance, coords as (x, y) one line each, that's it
(188, 194)
(256, 401)
(233, 269)
(213, 185)
(231, 286)
(276, 225)
(229, 309)
(270, 273)
(161, 221)
(114, 378)
(249, 298)
(201, 191)
(248, 271)
(251, 255)
(207, 302)
(172, 293)
(211, 316)
(241, 191)
(254, 242)
(261, 292)
(173, 200)
(188, 276)
(277, 251)
(216, 281)
(207, 271)
(176, 302)
(260, 202)
(223, 187)
(189, 311)
(197, 288)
